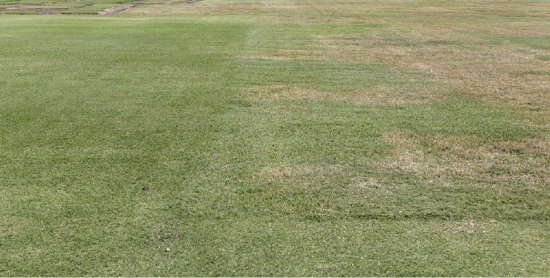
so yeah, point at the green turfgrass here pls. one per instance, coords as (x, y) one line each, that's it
(287, 139)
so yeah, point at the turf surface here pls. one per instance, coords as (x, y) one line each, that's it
(277, 139)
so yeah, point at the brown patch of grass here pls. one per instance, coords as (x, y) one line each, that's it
(401, 12)
(275, 92)
(450, 40)
(507, 74)
(450, 47)
(409, 156)
(471, 226)
(266, 57)
(216, 8)
(529, 147)
(471, 157)
(520, 29)
(370, 96)
(282, 172)
(366, 183)
(308, 177)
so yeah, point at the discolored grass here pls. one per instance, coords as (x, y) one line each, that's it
(372, 97)
(249, 138)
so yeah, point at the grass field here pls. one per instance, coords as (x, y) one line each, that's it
(277, 138)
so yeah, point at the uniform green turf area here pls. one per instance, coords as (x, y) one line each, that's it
(306, 138)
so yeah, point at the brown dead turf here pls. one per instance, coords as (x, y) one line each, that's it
(376, 96)
(471, 226)
(508, 74)
(468, 156)
(466, 44)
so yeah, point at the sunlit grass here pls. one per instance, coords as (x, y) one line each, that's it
(276, 139)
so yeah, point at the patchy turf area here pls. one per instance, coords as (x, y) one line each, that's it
(305, 138)
(77, 7)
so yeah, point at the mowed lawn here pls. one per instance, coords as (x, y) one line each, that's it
(278, 138)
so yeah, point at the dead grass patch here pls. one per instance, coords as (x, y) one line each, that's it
(471, 226)
(508, 74)
(281, 172)
(212, 8)
(455, 46)
(523, 163)
(519, 29)
(366, 183)
(409, 156)
(368, 97)
(266, 57)
(529, 147)
(298, 172)
(409, 12)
